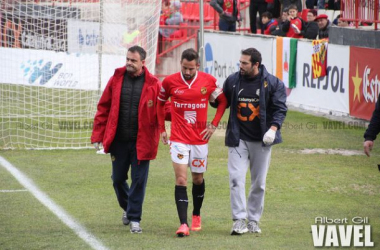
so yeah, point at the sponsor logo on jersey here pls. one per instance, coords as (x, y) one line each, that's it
(190, 116)
(179, 92)
(203, 90)
(162, 90)
(189, 105)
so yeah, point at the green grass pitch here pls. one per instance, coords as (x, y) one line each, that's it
(300, 187)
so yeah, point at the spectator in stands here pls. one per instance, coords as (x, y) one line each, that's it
(321, 4)
(174, 19)
(342, 23)
(324, 26)
(372, 130)
(165, 11)
(293, 25)
(268, 22)
(288, 3)
(310, 28)
(310, 4)
(334, 4)
(276, 11)
(339, 22)
(228, 12)
(254, 7)
(277, 30)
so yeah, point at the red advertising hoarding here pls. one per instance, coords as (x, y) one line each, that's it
(364, 81)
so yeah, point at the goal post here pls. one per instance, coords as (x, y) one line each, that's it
(56, 57)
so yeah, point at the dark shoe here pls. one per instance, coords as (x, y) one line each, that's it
(125, 219)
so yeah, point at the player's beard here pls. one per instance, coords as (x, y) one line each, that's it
(188, 76)
(246, 73)
(243, 72)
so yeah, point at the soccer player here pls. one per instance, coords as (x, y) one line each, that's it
(190, 92)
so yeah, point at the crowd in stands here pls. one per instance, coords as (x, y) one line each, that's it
(276, 17)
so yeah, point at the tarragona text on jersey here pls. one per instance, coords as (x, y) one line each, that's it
(189, 102)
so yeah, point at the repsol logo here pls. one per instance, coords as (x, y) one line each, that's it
(333, 79)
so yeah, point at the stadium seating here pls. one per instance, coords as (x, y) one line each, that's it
(330, 14)
(186, 10)
(208, 12)
(180, 34)
(194, 16)
(190, 12)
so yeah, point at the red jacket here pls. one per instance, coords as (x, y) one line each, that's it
(296, 22)
(271, 23)
(106, 118)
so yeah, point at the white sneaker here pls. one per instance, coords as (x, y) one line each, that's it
(135, 227)
(253, 227)
(239, 227)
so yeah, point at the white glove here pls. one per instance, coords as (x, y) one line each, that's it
(215, 94)
(98, 145)
(269, 137)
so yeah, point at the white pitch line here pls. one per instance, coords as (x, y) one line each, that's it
(52, 206)
(13, 191)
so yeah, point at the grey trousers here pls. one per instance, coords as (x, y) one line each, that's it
(257, 157)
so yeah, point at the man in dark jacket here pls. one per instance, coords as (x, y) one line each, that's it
(127, 126)
(310, 29)
(372, 130)
(229, 14)
(257, 111)
(324, 26)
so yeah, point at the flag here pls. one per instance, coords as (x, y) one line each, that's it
(286, 60)
(319, 58)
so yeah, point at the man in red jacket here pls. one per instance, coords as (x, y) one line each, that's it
(126, 124)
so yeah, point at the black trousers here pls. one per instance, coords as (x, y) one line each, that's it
(255, 7)
(130, 198)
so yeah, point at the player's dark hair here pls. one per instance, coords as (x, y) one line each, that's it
(254, 54)
(267, 14)
(190, 55)
(139, 50)
(286, 10)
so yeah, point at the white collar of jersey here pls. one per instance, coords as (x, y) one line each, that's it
(195, 77)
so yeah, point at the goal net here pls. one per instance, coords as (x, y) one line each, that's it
(56, 57)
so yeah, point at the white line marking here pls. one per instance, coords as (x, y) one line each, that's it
(52, 206)
(13, 191)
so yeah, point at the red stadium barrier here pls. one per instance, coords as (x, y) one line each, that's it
(361, 11)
